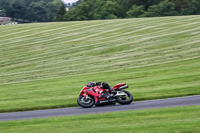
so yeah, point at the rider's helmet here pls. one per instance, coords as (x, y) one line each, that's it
(91, 84)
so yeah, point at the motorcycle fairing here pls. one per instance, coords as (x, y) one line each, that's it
(94, 92)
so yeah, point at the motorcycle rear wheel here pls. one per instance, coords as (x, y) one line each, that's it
(125, 100)
(85, 102)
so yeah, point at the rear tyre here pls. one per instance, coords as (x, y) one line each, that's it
(125, 99)
(85, 102)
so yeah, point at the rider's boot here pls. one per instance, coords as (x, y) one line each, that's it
(112, 92)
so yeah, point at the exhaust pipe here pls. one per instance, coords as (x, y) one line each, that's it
(123, 87)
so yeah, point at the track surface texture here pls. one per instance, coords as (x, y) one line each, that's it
(161, 103)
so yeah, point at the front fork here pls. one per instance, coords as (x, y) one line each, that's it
(86, 97)
(93, 94)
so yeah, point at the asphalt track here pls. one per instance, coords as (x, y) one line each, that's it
(161, 103)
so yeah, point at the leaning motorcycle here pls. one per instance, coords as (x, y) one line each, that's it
(97, 95)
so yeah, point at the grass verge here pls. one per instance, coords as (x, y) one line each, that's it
(165, 120)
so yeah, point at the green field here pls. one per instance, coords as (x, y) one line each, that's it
(166, 120)
(45, 65)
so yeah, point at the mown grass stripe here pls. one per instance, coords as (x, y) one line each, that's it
(32, 27)
(59, 27)
(55, 33)
(116, 45)
(100, 60)
(169, 29)
(154, 22)
(122, 57)
(50, 35)
(102, 71)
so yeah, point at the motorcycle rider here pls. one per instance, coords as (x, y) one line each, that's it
(104, 85)
(107, 86)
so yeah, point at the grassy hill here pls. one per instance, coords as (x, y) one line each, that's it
(45, 65)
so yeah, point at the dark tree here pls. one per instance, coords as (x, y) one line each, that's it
(164, 8)
(17, 9)
(192, 9)
(61, 12)
(136, 11)
(37, 11)
(180, 4)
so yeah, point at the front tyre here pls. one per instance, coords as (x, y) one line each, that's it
(85, 102)
(125, 99)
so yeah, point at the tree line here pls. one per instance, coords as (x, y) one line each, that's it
(110, 9)
(31, 10)
(54, 10)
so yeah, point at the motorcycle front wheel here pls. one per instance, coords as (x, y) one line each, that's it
(125, 99)
(85, 102)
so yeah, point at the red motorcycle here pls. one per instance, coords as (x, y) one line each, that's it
(100, 94)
